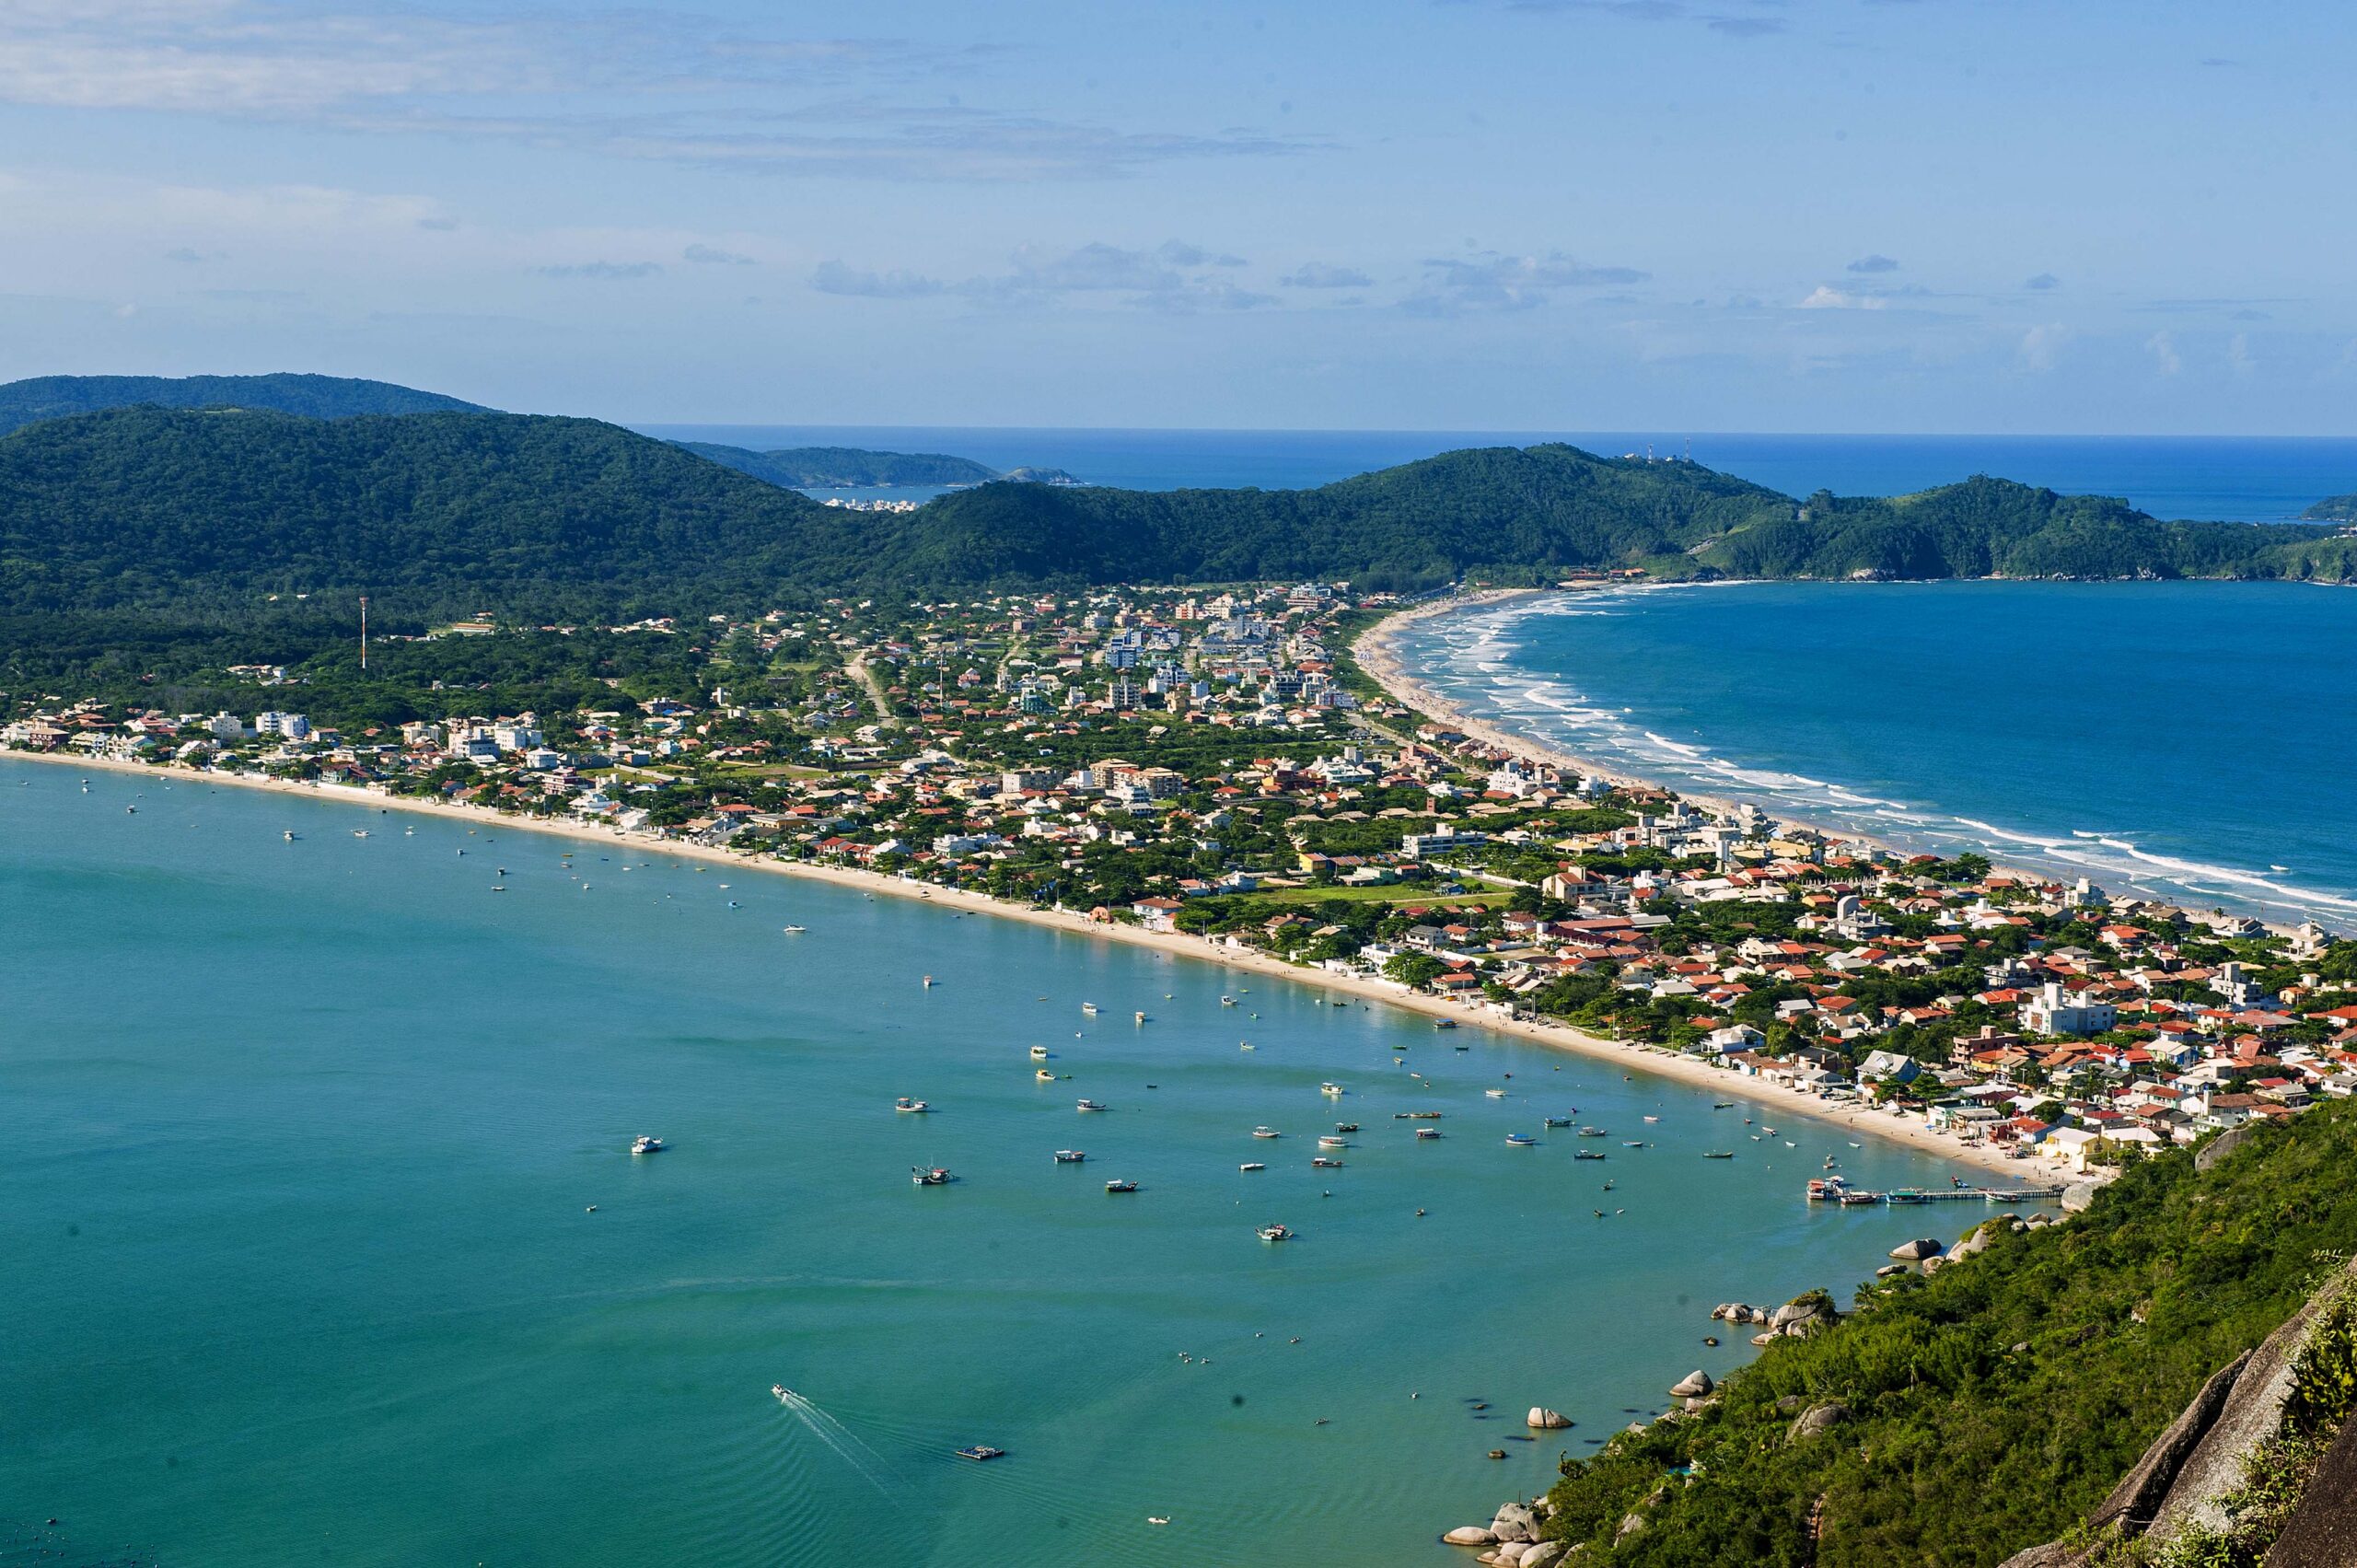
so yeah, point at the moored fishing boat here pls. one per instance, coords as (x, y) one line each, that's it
(1274, 1232)
(930, 1175)
(916, 1106)
(1090, 1105)
(1071, 1156)
(1119, 1186)
(1520, 1141)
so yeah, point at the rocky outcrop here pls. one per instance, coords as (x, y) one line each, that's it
(1514, 1523)
(2253, 1410)
(2323, 1533)
(1916, 1251)
(1818, 1418)
(2181, 1483)
(1469, 1535)
(2141, 1491)
(1541, 1418)
(2218, 1147)
(1693, 1385)
(2078, 1195)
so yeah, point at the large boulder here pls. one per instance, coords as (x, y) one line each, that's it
(1469, 1535)
(2323, 1531)
(1693, 1385)
(1818, 1418)
(2078, 1195)
(1917, 1251)
(1514, 1523)
(2252, 1409)
(2218, 1147)
(1973, 1241)
(2141, 1491)
(1542, 1554)
(1541, 1418)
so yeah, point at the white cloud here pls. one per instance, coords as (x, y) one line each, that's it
(667, 92)
(2041, 345)
(836, 277)
(1827, 298)
(1321, 274)
(2163, 352)
(712, 256)
(1493, 281)
(2238, 354)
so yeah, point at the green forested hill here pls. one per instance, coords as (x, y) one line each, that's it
(152, 519)
(183, 515)
(1986, 1408)
(322, 397)
(836, 467)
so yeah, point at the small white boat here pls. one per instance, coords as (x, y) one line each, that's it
(1089, 1008)
(1090, 1105)
(929, 1176)
(1043, 1076)
(1243, 1045)
(1120, 1187)
(1427, 1132)
(1520, 1141)
(359, 832)
(928, 979)
(1071, 1156)
(290, 835)
(1140, 1016)
(642, 1145)
(1332, 1089)
(1227, 1001)
(796, 930)
(1038, 1053)
(1252, 1165)
(1274, 1232)
(1266, 1133)
(1322, 1162)
(1495, 1094)
(905, 1103)
(1652, 1118)
(1333, 1141)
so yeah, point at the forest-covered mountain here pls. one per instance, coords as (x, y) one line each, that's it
(183, 516)
(320, 397)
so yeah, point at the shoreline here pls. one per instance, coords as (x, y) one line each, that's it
(1682, 1069)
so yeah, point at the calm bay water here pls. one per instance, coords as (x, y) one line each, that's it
(2242, 479)
(2184, 739)
(304, 1136)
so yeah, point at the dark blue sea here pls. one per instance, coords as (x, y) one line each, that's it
(2185, 741)
(2242, 479)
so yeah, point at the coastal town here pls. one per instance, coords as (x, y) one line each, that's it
(1223, 771)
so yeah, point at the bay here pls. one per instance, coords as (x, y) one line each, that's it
(305, 1136)
(2185, 740)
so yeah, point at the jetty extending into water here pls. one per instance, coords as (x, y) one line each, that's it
(1834, 1190)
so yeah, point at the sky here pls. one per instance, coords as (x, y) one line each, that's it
(1810, 215)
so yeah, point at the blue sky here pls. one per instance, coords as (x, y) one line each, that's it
(1966, 215)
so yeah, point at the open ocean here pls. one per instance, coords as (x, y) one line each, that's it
(2185, 740)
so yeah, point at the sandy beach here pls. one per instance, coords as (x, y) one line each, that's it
(1688, 1070)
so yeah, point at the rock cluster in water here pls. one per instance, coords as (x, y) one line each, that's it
(1511, 1537)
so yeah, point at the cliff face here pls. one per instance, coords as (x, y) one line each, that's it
(2261, 1468)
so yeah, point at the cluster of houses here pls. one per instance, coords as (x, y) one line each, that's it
(1052, 749)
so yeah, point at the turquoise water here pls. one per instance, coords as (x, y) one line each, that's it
(2188, 740)
(304, 1138)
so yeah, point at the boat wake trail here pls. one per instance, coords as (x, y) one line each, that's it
(864, 1460)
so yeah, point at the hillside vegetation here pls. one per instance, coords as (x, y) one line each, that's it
(319, 397)
(1988, 1407)
(148, 531)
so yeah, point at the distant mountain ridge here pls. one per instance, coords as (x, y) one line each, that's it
(843, 468)
(143, 527)
(319, 397)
